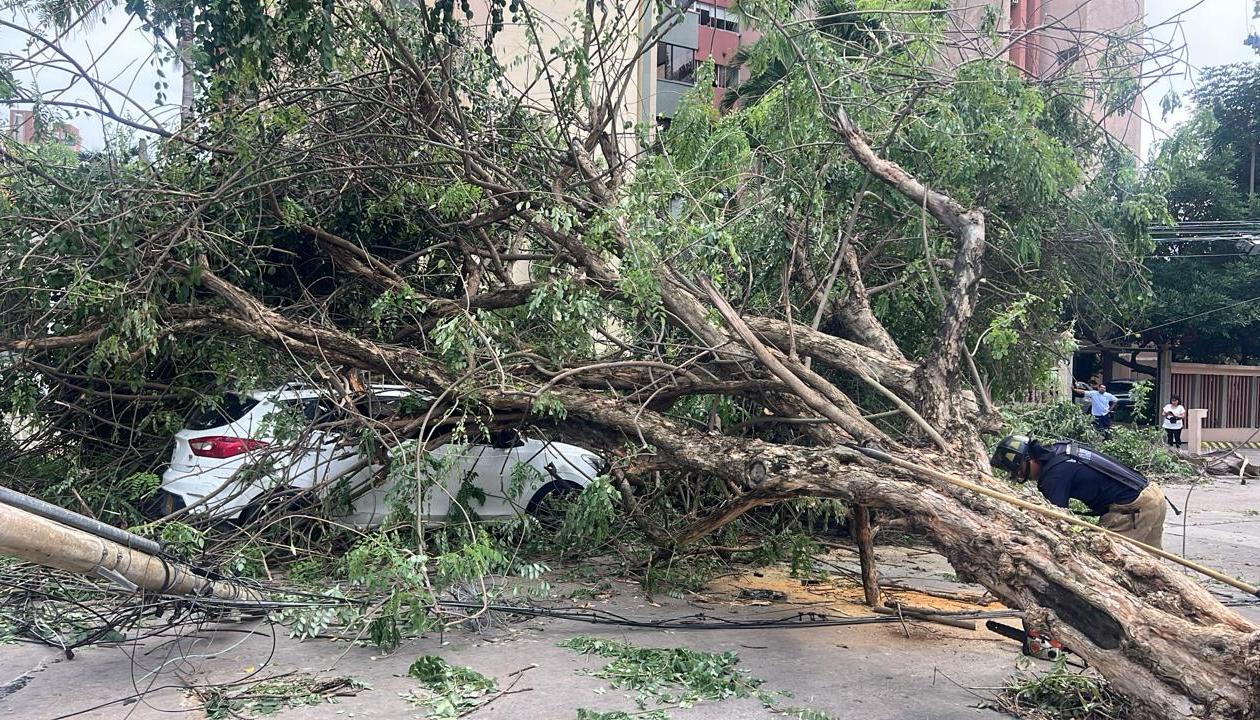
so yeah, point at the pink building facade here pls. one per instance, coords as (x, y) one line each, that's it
(710, 30)
(22, 129)
(1050, 36)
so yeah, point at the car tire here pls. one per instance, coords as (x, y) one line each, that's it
(161, 505)
(543, 506)
(262, 506)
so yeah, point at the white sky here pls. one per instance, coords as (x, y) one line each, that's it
(122, 56)
(114, 51)
(1213, 32)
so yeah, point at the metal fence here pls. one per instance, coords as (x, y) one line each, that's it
(1229, 393)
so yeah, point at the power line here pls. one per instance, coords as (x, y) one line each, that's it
(1197, 255)
(1198, 315)
(700, 621)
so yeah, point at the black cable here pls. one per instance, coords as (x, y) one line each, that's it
(700, 621)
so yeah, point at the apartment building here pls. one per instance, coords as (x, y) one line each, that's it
(709, 29)
(22, 129)
(1040, 37)
(1047, 37)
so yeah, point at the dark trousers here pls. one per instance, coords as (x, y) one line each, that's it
(1102, 423)
(1173, 437)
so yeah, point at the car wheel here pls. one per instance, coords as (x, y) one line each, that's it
(548, 504)
(161, 505)
(265, 506)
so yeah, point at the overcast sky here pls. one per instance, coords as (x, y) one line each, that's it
(1213, 32)
(122, 56)
(114, 51)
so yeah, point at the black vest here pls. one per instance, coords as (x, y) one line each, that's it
(1072, 451)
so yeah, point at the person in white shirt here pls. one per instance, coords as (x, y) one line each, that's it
(1101, 405)
(1174, 421)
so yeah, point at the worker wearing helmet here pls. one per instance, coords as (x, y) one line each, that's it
(1123, 498)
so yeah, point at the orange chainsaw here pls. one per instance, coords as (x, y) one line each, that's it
(1036, 644)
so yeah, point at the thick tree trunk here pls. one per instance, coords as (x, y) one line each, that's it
(1159, 637)
(865, 540)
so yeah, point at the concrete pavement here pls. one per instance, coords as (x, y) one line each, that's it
(866, 672)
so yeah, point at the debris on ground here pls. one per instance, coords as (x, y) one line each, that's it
(450, 691)
(837, 594)
(268, 697)
(674, 677)
(1060, 693)
(762, 595)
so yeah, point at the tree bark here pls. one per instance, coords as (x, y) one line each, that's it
(188, 71)
(1160, 638)
(866, 554)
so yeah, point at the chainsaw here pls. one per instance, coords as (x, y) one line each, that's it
(1035, 644)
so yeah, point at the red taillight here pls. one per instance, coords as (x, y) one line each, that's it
(219, 446)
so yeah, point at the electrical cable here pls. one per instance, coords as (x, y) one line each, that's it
(1197, 255)
(1197, 315)
(701, 621)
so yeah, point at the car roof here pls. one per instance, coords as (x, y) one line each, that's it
(302, 391)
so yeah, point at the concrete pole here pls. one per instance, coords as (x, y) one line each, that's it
(29, 537)
(1164, 381)
(1194, 430)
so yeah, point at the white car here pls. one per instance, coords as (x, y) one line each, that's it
(230, 459)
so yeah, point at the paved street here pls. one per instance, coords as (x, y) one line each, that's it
(867, 672)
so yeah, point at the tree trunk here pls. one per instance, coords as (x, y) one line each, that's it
(1162, 640)
(188, 76)
(866, 554)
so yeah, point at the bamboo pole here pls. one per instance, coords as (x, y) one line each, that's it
(1056, 514)
(29, 537)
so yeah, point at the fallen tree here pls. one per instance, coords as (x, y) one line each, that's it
(404, 210)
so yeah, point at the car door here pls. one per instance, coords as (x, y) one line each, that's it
(317, 457)
(494, 467)
(337, 457)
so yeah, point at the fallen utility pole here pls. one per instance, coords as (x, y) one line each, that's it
(882, 456)
(77, 521)
(27, 536)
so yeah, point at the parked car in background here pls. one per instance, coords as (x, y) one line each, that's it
(230, 459)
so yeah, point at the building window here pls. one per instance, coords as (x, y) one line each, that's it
(1068, 56)
(725, 76)
(718, 18)
(674, 62)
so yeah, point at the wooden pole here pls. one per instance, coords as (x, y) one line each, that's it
(29, 537)
(866, 554)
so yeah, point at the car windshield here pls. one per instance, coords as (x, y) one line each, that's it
(232, 408)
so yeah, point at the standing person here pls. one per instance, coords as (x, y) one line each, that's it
(1101, 405)
(1174, 421)
(1125, 501)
